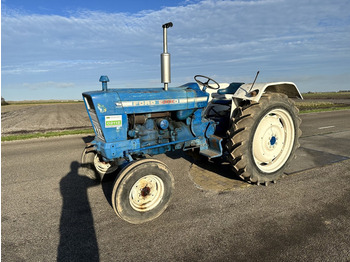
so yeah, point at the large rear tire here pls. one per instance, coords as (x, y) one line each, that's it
(142, 191)
(263, 138)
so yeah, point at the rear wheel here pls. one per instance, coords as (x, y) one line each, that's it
(263, 138)
(142, 191)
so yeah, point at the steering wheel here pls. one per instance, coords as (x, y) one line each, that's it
(206, 84)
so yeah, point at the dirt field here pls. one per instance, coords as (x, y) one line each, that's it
(21, 119)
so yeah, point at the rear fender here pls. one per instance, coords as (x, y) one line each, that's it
(246, 92)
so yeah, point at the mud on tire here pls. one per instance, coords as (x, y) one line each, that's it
(263, 138)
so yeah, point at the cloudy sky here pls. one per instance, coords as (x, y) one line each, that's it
(58, 49)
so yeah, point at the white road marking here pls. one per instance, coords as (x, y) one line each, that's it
(325, 127)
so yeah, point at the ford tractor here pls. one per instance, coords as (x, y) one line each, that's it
(253, 126)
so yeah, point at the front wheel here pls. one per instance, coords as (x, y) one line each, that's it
(263, 138)
(93, 167)
(142, 191)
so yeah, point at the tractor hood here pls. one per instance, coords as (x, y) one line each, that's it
(142, 100)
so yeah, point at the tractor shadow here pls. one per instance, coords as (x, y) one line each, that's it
(213, 175)
(88, 139)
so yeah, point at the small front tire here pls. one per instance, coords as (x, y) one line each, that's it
(93, 167)
(87, 164)
(142, 191)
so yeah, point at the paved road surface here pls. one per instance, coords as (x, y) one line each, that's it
(50, 212)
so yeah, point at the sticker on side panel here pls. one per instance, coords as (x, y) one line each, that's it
(113, 121)
(102, 108)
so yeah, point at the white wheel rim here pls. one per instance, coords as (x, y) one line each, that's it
(146, 193)
(104, 167)
(273, 140)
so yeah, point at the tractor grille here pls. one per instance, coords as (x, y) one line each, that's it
(96, 124)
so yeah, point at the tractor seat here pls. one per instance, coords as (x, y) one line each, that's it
(231, 89)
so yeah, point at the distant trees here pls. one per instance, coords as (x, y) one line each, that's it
(3, 102)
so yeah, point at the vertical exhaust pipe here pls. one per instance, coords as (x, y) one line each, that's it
(165, 58)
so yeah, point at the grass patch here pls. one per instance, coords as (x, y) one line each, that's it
(46, 134)
(327, 109)
(326, 95)
(305, 105)
(319, 106)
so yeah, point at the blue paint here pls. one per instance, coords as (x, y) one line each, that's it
(231, 89)
(163, 124)
(169, 120)
(104, 80)
(273, 140)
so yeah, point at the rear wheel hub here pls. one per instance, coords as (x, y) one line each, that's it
(273, 140)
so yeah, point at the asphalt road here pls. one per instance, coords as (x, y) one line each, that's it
(50, 212)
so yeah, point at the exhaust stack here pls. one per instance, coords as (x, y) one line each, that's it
(165, 58)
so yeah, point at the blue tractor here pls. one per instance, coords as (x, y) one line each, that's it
(254, 126)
